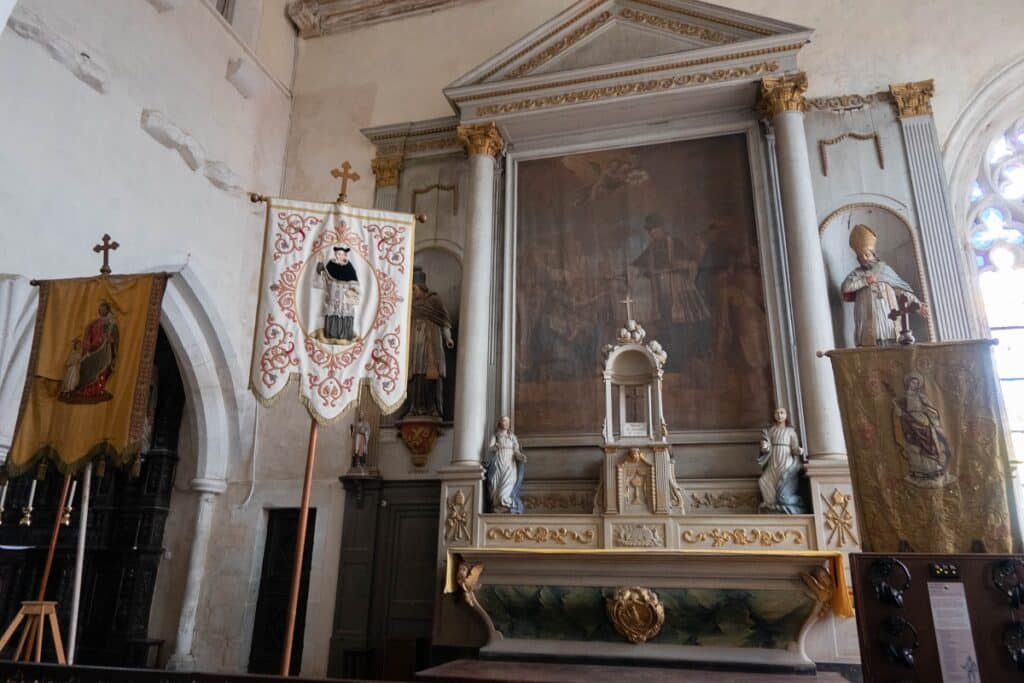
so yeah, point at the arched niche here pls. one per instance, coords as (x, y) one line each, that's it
(897, 245)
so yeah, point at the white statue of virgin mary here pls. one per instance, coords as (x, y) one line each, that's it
(505, 469)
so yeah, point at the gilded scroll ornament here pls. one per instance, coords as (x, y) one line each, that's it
(580, 501)
(913, 99)
(764, 537)
(628, 89)
(386, 170)
(560, 45)
(819, 585)
(483, 138)
(540, 534)
(678, 27)
(456, 524)
(839, 519)
(468, 579)
(840, 103)
(636, 613)
(783, 93)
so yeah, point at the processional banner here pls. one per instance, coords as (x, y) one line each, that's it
(90, 369)
(929, 457)
(334, 307)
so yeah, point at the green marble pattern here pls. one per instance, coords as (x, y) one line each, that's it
(715, 617)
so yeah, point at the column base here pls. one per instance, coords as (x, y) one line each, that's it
(181, 662)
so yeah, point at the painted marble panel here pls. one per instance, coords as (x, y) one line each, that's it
(673, 225)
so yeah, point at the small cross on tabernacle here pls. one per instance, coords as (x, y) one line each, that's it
(344, 174)
(904, 307)
(106, 247)
(629, 306)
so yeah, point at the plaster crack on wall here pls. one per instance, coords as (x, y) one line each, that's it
(75, 58)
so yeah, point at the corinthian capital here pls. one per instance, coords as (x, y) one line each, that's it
(482, 138)
(783, 93)
(913, 99)
(386, 170)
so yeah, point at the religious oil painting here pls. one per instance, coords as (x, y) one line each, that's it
(669, 226)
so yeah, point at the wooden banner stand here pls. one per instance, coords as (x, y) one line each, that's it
(35, 615)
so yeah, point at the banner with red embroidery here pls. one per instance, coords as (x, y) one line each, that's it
(334, 306)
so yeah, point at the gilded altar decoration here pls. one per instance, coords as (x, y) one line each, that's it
(386, 170)
(468, 579)
(913, 99)
(935, 473)
(419, 434)
(483, 138)
(838, 519)
(334, 306)
(636, 613)
(90, 369)
(723, 537)
(681, 28)
(819, 585)
(541, 534)
(783, 93)
(456, 524)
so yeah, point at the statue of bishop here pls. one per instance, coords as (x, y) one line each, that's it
(873, 287)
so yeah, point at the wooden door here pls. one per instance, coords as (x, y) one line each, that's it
(275, 588)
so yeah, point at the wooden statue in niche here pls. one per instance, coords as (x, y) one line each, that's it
(782, 458)
(431, 335)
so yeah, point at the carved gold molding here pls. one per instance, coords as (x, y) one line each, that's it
(386, 170)
(636, 613)
(678, 27)
(839, 519)
(560, 45)
(721, 537)
(819, 585)
(841, 103)
(823, 146)
(541, 534)
(482, 138)
(783, 93)
(728, 500)
(558, 501)
(456, 524)
(913, 99)
(707, 17)
(625, 89)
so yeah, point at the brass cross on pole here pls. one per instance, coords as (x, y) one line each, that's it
(344, 174)
(106, 247)
(629, 306)
(904, 307)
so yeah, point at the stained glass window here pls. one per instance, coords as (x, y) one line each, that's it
(996, 221)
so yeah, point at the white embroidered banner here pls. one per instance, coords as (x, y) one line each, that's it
(334, 305)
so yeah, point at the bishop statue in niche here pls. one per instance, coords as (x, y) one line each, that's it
(340, 283)
(873, 288)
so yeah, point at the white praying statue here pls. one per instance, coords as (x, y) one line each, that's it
(873, 287)
(782, 459)
(505, 469)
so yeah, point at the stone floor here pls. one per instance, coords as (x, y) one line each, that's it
(535, 672)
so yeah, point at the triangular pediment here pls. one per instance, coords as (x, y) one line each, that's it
(597, 49)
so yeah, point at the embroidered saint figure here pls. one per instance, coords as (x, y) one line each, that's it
(918, 431)
(96, 353)
(872, 287)
(338, 279)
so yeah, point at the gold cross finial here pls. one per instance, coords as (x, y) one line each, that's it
(106, 247)
(629, 306)
(345, 174)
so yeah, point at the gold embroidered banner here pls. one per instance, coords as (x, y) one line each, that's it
(89, 372)
(928, 449)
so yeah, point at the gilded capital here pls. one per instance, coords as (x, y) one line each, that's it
(913, 99)
(386, 170)
(783, 93)
(482, 138)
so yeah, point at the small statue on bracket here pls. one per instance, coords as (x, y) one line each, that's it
(782, 459)
(361, 431)
(873, 288)
(505, 469)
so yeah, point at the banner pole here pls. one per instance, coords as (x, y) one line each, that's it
(300, 549)
(76, 590)
(53, 537)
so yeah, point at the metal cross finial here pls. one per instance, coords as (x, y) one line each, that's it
(106, 247)
(904, 307)
(344, 174)
(629, 306)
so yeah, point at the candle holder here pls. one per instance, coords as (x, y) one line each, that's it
(26, 516)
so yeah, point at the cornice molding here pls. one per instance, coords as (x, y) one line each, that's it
(316, 18)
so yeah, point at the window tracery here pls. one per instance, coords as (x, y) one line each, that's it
(996, 234)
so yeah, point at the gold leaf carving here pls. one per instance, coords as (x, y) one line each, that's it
(722, 537)
(386, 170)
(913, 99)
(626, 89)
(839, 519)
(482, 138)
(560, 45)
(680, 27)
(636, 613)
(783, 93)
(541, 534)
(456, 524)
